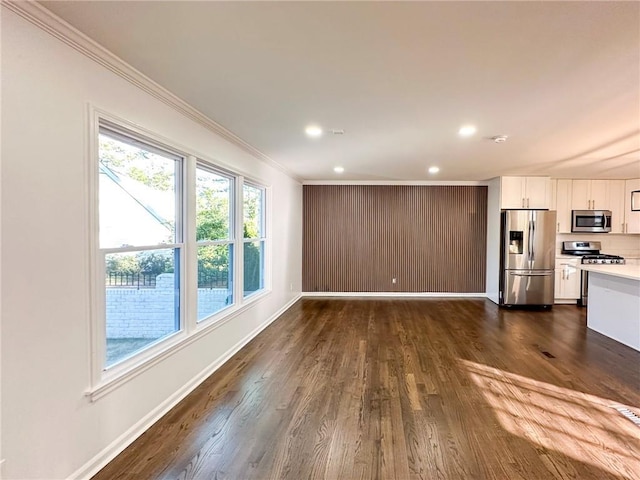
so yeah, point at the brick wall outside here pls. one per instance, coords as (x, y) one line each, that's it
(150, 312)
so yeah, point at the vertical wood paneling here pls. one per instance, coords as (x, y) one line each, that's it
(357, 238)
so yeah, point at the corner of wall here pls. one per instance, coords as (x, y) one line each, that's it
(1, 457)
(493, 239)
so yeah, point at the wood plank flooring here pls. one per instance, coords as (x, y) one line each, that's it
(405, 389)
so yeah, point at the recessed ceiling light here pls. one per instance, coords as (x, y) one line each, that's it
(433, 170)
(467, 130)
(313, 131)
(338, 169)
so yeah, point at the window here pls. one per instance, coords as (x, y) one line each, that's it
(214, 237)
(253, 199)
(140, 242)
(178, 244)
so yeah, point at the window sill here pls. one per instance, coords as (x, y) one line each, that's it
(168, 347)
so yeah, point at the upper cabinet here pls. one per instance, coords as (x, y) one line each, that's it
(525, 192)
(561, 202)
(631, 217)
(614, 195)
(590, 195)
(616, 205)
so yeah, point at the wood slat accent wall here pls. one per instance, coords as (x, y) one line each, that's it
(357, 238)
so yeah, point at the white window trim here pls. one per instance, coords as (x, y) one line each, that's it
(216, 316)
(268, 194)
(102, 374)
(265, 231)
(191, 259)
(103, 381)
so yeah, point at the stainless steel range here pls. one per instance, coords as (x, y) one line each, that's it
(590, 253)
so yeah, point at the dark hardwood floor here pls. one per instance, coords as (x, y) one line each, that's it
(406, 389)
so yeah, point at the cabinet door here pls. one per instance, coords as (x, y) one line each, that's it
(563, 206)
(557, 288)
(568, 278)
(616, 205)
(572, 281)
(512, 192)
(600, 195)
(580, 195)
(631, 218)
(537, 192)
(554, 194)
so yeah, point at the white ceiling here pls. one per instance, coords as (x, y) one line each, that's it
(561, 79)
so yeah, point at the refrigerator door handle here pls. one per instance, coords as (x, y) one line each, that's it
(532, 274)
(533, 239)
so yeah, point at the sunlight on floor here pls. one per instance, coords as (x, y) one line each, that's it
(575, 424)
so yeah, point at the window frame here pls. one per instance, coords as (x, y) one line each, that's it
(231, 239)
(105, 380)
(103, 373)
(262, 238)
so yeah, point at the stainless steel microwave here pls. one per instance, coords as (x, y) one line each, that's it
(591, 221)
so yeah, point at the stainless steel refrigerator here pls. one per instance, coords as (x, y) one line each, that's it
(527, 257)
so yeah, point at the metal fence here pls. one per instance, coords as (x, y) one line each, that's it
(218, 279)
(137, 280)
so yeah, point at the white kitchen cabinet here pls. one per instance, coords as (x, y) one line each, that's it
(631, 218)
(616, 205)
(538, 191)
(567, 287)
(600, 195)
(590, 195)
(580, 195)
(562, 205)
(525, 192)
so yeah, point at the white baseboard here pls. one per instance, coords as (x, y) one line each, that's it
(565, 301)
(99, 461)
(395, 294)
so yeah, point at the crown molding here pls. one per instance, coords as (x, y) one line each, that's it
(44, 19)
(423, 183)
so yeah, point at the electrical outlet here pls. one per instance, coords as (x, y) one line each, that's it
(393, 280)
(291, 287)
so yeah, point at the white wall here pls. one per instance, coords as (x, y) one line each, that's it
(1, 456)
(49, 427)
(493, 239)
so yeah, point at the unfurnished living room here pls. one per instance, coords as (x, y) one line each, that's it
(319, 240)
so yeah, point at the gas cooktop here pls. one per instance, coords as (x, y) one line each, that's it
(590, 253)
(602, 259)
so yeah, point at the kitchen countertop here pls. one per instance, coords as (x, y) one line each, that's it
(624, 271)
